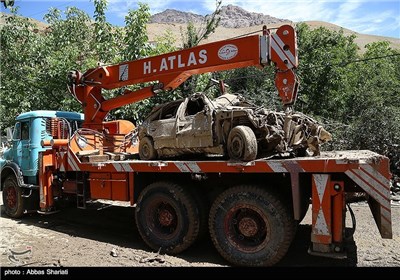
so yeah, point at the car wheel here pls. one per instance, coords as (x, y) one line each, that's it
(242, 144)
(167, 217)
(250, 226)
(146, 149)
(12, 199)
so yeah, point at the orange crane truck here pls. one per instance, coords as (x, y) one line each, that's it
(250, 208)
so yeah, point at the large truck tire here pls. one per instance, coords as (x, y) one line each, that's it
(167, 217)
(250, 226)
(242, 144)
(12, 198)
(203, 207)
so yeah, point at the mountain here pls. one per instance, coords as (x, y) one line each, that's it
(231, 17)
(175, 16)
(235, 21)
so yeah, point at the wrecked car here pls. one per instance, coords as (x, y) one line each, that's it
(227, 126)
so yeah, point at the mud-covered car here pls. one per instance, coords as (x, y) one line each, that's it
(227, 126)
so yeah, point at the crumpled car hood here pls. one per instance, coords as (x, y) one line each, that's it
(288, 132)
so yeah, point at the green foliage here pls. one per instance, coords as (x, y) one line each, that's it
(193, 36)
(103, 41)
(356, 96)
(19, 81)
(372, 107)
(322, 75)
(136, 34)
(65, 50)
(254, 84)
(163, 44)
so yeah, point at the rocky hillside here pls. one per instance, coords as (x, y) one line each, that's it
(174, 16)
(231, 17)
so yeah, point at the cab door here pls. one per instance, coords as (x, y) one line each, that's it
(21, 146)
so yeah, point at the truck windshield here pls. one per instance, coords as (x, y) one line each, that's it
(17, 131)
(21, 131)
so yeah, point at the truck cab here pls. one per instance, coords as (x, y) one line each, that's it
(20, 161)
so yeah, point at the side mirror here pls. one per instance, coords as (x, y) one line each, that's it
(9, 132)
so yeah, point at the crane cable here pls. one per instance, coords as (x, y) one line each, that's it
(342, 64)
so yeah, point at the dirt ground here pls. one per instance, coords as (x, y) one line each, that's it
(108, 237)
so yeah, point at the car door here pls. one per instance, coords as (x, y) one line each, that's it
(194, 124)
(163, 128)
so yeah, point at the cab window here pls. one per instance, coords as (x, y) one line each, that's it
(194, 106)
(169, 112)
(25, 131)
(17, 131)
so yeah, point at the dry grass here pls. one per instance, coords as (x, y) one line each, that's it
(222, 33)
(361, 40)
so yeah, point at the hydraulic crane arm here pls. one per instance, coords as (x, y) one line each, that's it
(172, 69)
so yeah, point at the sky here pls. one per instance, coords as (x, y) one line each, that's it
(363, 16)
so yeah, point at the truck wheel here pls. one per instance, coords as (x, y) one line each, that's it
(250, 227)
(146, 149)
(167, 217)
(12, 199)
(242, 144)
(203, 209)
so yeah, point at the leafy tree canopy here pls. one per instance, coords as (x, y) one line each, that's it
(356, 96)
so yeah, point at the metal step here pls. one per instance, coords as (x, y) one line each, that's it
(80, 192)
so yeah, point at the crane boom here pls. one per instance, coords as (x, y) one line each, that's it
(171, 69)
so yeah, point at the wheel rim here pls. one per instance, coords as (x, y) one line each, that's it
(11, 197)
(162, 218)
(146, 150)
(247, 228)
(237, 146)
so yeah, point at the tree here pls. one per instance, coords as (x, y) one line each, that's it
(372, 107)
(64, 51)
(21, 53)
(356, 96)
(105, 39)
(257, 85)
(323, 79)
(193, 36)
(137, 45)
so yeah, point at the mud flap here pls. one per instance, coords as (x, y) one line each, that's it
(377, 186)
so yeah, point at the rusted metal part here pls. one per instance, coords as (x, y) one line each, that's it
(11, 197)
(165, 217)
(247, 227)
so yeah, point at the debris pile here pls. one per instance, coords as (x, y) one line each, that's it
(282, 132)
